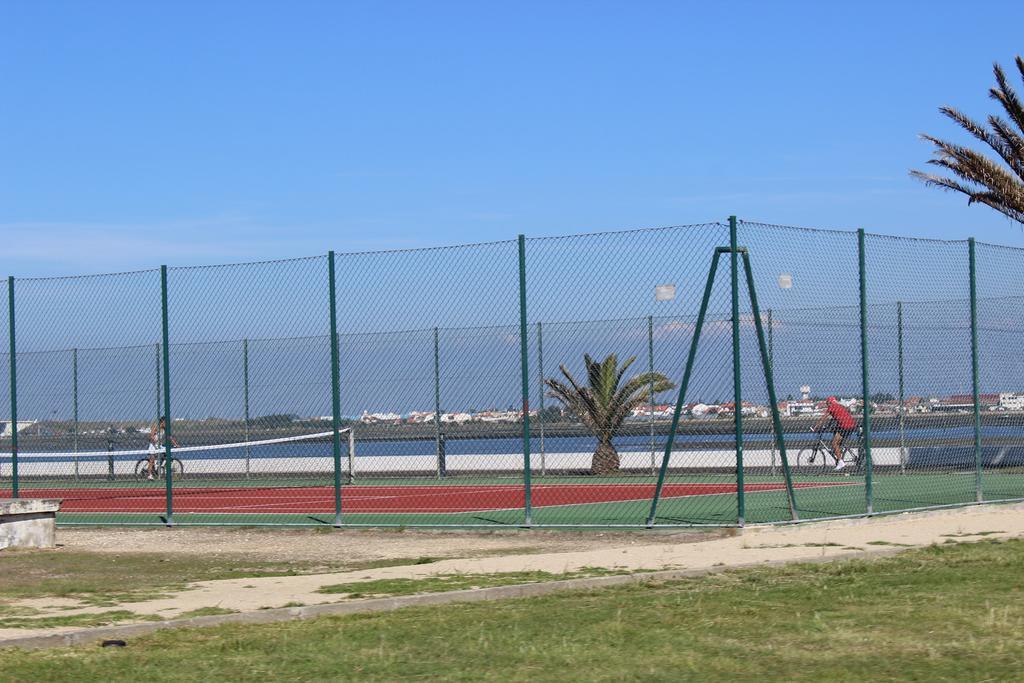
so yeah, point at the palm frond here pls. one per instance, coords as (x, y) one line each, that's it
(998, 184)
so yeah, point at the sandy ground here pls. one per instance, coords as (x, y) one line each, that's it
(477, 553)
(354, 546)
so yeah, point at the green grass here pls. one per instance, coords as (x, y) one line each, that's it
(453, 582)
(81, 620)
(946, 613)
(106, 579)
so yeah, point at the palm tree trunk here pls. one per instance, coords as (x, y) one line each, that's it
(606, 458)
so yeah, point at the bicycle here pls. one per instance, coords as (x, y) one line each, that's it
(142, 468)
(821, 452)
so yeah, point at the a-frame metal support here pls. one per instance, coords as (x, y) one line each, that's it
(687, 373)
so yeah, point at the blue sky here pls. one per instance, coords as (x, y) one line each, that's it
(135, 134)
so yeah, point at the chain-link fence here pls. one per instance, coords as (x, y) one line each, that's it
(535, 382)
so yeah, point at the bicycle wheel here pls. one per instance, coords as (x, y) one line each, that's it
(142, 468)
(177, 469)
(808, 458)
(852, 456)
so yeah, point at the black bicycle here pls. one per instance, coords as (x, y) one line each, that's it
(819, 455)
(142, 468)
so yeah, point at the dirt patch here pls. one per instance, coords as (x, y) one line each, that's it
(358, 546)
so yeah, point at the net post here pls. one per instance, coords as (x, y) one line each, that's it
(902, 394)
(769, 380)
(650, 388)
(335, 388)
(978, 493)
(736, 384)
(168, 469)
(14, 386)
(438, 444)
(868, 465)
(670, 440)
(525, 367)
(245, 412)
(540, 414)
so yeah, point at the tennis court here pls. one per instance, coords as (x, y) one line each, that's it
(500, 503)
(441, 362)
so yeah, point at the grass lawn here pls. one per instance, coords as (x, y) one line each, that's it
(947, 613)
(108, 579)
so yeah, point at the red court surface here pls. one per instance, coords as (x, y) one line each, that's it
(375, 499)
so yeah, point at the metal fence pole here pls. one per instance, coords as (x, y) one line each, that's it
(868, 473)
(74, 405)
(771, 365)
(978, 494)
(540, 414)
(902, 396)
(335, 388)
(650, 388)
(168, 468)
(14, 387)
(245, 391)
(524, 364)
(736, 388)
(74, 395)
(438, 443)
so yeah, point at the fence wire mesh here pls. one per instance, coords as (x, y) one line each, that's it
(464, 397)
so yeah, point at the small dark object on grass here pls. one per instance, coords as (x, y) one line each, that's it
(113, 643)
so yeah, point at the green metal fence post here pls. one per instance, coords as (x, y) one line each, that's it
(74, 395)
(902, 397)
(74, 405)
(245, 412)
(524, 363)
(335, 388)
(978, 494)
(650, 388)
(670, 440)
(540, 414)
(736, 388)
(14, 387)
(868, 465)
(168, 469)
(438, 444)
(769, 380)
(771, 363)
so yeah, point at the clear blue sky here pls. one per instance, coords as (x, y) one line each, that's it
(134, 134)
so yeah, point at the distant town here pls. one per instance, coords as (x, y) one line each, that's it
(804, 406)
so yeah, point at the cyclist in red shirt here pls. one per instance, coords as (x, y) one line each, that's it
(842, 423)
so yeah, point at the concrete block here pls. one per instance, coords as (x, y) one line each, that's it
(28, 522)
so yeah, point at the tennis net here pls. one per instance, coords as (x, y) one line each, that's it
(292, 457)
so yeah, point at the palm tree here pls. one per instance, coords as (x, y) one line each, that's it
(602, 405)
(982, 178)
